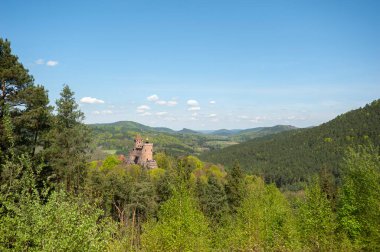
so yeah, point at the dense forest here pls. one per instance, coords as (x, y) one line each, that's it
(295, 156)
(53, 198)
(118, 138)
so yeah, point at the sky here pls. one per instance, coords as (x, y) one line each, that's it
(202, 64)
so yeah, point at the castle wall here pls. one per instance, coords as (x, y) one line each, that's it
(142, 154)
(147, 152)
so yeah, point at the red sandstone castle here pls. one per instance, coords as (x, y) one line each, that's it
(142, 154)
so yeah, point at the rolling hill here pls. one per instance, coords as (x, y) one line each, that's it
(293, 156)
(118, 137)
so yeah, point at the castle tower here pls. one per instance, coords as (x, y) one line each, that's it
(139, 142)
(142, 154)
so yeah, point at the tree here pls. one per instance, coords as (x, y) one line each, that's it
(70, 141)
(212, 199)
(235, 186)
(317, 221)
(181, 226)
(14, 78)
(34, 122)
(263, 222)
(359, 197)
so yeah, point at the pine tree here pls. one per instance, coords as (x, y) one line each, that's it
(212, 199)
(34, 121)
(70, 142)
(14, 78)
(235, 186)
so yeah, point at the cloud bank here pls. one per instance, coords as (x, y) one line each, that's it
(91, 100)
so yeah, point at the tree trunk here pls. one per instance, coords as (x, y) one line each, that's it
(2, 102)
(34, 143)
(133, 228)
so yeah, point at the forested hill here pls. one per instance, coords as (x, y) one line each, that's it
(292, 156)
(118, 138)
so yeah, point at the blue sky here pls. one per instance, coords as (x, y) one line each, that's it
(202, 64)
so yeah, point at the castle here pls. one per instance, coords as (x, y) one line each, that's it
(142, 154)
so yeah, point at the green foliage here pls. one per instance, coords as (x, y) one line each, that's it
(181, 226)
(34, 121)
(359, 199)
(317, 221)
(164, 161)
(110, 162)
(58, 223)
(7, 138)
(156, 174)
(61, 224)
(13, 77)
(263, 222)
(212, 199)
(235, 187)
(69, 143)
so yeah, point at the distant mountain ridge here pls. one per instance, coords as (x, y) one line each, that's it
(117, 136)
(131, 125)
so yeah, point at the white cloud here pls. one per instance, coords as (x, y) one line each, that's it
(211, 115)
(161, 102)
(258, 119)
(102, 112)
(142, 108)
(146, 114)
(51, 63)
(91, 100)
(172, 103)
(212, 102)
(193, 103)
(194, 114)
(194, 109)
(40, 62)
(153, 98)
(243, 117)
(161, 113)
(171, 119)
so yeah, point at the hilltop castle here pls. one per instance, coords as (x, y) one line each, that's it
(142, 154)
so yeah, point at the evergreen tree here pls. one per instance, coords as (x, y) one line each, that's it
(34, 122)
(235, 186)
(69, 142)
(212, 199)
(14, 78)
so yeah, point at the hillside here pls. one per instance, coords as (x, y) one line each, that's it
(296, 155)
(118, 137)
